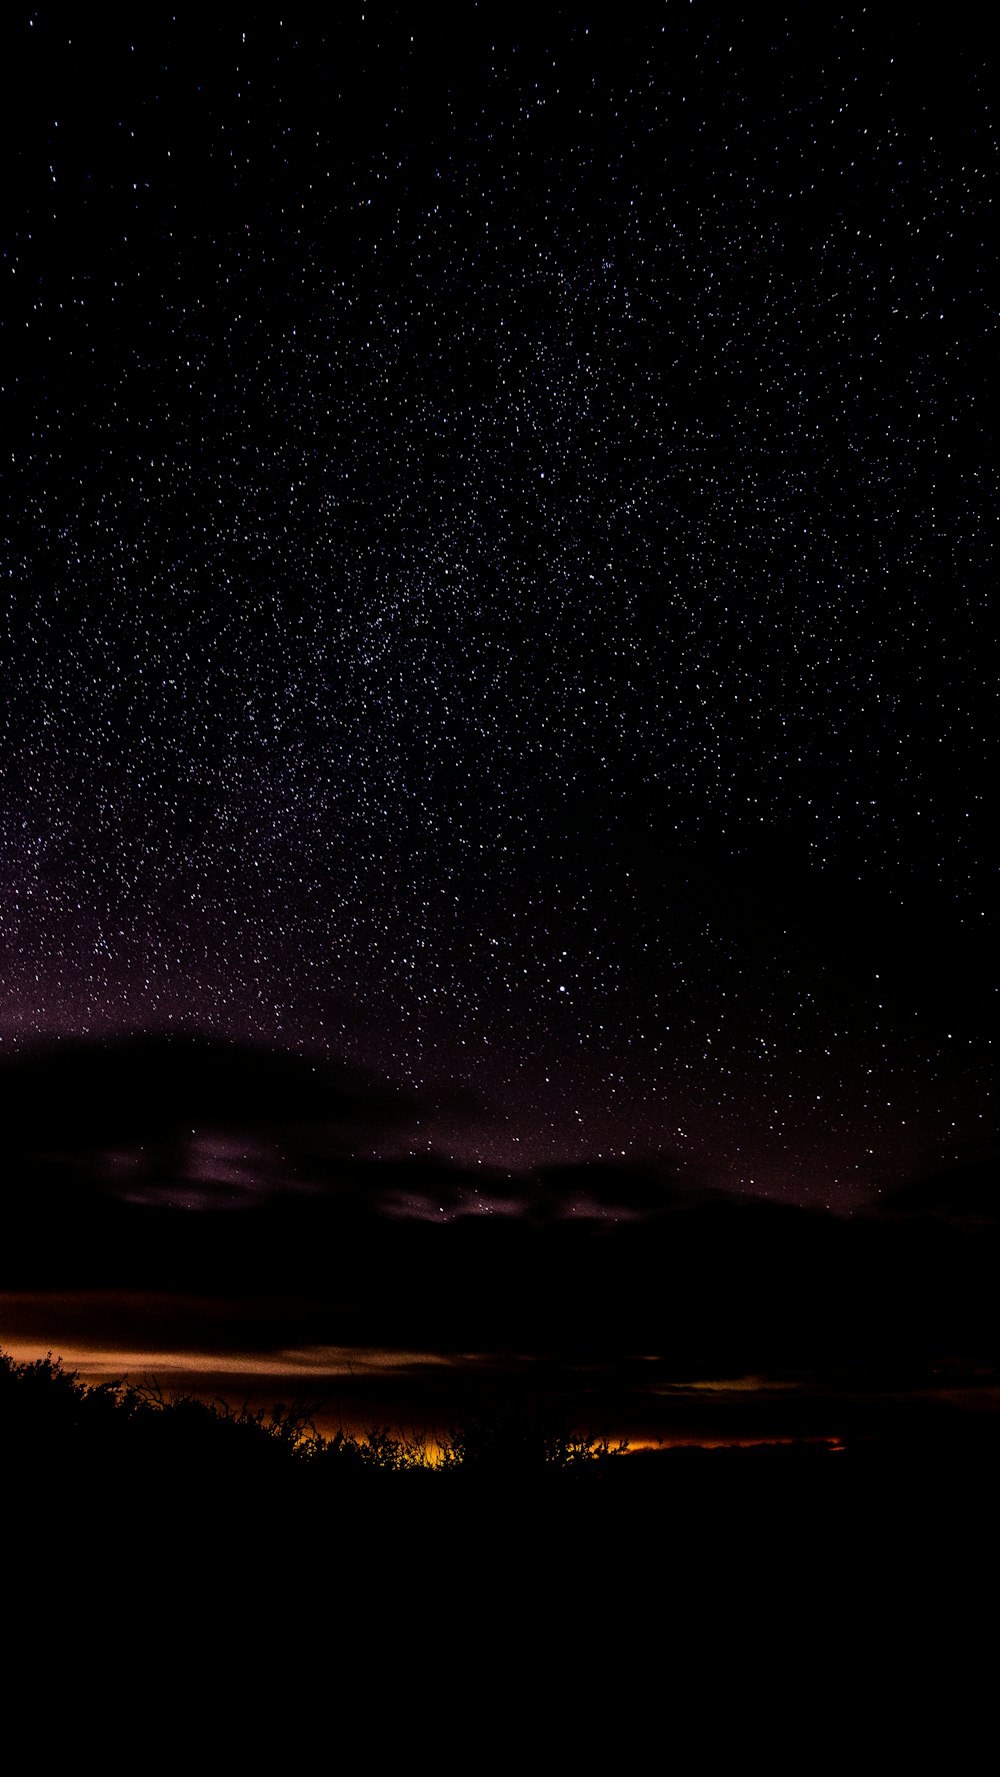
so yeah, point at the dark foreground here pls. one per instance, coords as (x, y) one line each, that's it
(316, 1594)
(718, 1598)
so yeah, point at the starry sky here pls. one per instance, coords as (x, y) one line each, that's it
(494, 555)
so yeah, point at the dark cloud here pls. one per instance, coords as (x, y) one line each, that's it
(83, 1095)
(431, 1189)
(207, 1125)
(125, 1162)
(198, 1122)
(608, 1190)
(967, 1194)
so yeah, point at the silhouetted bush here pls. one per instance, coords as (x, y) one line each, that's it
(52, 1423)
(510, 1443)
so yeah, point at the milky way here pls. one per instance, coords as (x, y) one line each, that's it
(494, 565)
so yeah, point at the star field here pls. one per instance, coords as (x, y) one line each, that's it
(494, 552)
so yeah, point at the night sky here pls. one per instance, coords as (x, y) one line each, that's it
(494, 555)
